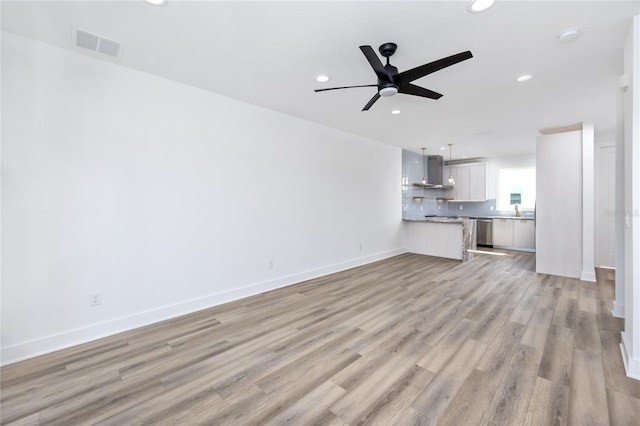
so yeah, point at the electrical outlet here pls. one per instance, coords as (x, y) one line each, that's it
(461, 207)
(271, 264)
(95, 299)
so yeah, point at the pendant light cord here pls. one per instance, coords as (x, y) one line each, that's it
(451, 181)
(424, 167)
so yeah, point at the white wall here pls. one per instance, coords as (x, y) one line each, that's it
(559, 237)
(631, 334)
(166, 198)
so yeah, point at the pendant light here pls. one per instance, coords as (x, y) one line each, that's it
(424, 168)
(451, 181)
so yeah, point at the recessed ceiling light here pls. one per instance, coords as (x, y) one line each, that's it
(442, 148)
(568, 35)
(464, 156)
(322, 78)
(477, 6)
(524, 78)
(395, 112)
(157, 2)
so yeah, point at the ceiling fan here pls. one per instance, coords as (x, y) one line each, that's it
(391, 82)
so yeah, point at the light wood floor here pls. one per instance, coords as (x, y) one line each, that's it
(409, 340)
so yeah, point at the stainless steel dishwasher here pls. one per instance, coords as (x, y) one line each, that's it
(484, 231)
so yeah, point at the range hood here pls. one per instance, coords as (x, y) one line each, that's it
(435, 171)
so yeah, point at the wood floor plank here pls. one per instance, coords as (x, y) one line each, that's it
(499, 352)
(399, 398)
(587, 332)
(555, 365)
(439, 354)
(437, 395)
(606, 320)
(511, 400)
(525, 307)
(549, 404)
(588, 398)
(536, 333)
(310, 407)
(472, 400)
(624, 409)
(566, 312)
(31, 420)
(495, 319)
(408, 340)
(570, 288)
(587, 300)
(614, 372)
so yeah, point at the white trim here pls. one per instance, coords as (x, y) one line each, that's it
(588, 207)
(631, 365)
(618, 309)
(55, 342)
(588, 276)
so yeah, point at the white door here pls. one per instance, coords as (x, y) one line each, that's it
(605, 217)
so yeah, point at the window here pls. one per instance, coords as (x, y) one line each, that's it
(516, 186)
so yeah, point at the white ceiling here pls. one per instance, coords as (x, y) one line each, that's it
(268, 53)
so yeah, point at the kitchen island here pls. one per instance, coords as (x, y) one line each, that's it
(452, 238)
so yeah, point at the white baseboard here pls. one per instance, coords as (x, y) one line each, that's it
(55, 342)
(588, 276)
(631, 364)
(618, 309)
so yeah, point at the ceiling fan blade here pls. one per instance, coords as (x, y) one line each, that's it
(374, 61)
(345, 87)
(426, 69)
(412, 89)
(371, 102)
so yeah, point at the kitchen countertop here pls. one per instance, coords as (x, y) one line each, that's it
(437, 219)
(508, 217)
(461, 219)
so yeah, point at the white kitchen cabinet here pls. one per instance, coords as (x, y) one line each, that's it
(471, 181)
(503, 232)
(514, 233)
(462, 183)
(524, 234)
(478, 182)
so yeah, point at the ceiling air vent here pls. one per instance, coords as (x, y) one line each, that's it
(95, 43)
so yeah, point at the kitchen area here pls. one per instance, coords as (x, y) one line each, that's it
(450, 209)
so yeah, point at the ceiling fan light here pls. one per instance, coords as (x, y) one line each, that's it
(477, 6)
(388, 91)
(451, 181)
(569, 34)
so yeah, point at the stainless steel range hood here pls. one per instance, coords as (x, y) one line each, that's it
(435, 171)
